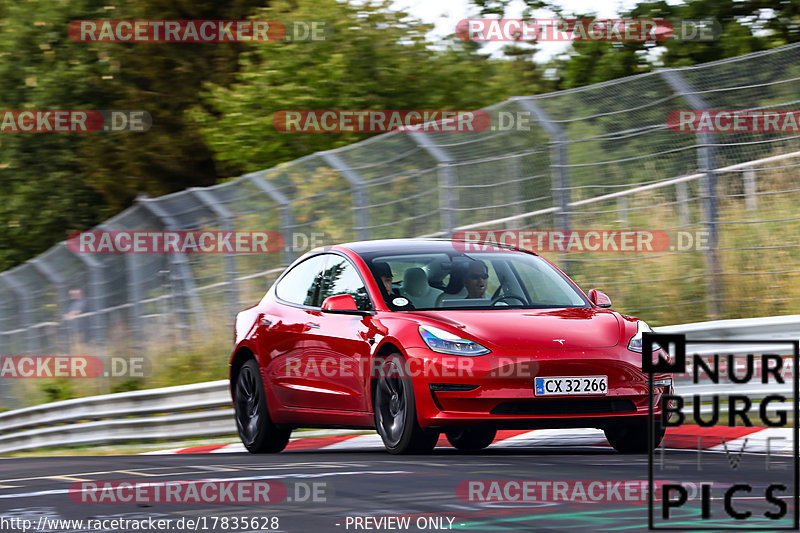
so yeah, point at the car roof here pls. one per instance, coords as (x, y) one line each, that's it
(420, 245)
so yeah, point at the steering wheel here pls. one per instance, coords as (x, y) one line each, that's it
(521, 300)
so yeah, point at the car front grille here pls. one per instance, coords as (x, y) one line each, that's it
(565, 407)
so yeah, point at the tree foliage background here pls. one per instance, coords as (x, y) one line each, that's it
(212, 105)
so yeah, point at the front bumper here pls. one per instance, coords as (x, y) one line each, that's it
(498, 389)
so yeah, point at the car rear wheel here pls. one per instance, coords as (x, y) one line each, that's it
(471, 439)
(257, 431)
(395, 410)
(632, 437)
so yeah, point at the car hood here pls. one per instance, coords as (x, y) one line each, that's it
(536, 328)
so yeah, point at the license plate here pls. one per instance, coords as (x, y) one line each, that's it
(567, 386)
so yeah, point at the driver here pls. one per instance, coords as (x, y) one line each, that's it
(384, 272)
(390, 295)
(476, 280)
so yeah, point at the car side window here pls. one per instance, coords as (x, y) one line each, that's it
(341, 277)
(300, 285)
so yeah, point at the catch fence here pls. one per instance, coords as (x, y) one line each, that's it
(600, 157)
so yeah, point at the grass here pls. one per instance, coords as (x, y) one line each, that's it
(165, 366)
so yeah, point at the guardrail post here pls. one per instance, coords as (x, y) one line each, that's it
(682, 191)
(181, 266)
(5, 350)
(225, 216)
(287, 217)
(26, 312)
(622, 208)
(446, 174)
(706, 161)
(95, 295)
(359, 196)
(514, 170)
(558, 165)
(69, 328)
(134, 293)
(3, 317)
(750, 190)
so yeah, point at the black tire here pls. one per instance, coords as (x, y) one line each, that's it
(471, 439)
(395, 410)
(256, 430)
(632, 437)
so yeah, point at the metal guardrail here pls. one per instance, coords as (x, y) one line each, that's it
(204, 409)
(171, 412)
(772, 327)
(744, 329)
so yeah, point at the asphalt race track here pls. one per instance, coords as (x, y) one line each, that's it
(375, 484)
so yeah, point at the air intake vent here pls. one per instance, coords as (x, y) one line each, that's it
(565, 407)
(451, 387)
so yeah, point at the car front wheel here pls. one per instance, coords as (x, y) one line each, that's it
(471, 439)
(257, 431)
(632, 437)
(395, 410)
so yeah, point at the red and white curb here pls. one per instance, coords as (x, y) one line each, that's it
(717, 438)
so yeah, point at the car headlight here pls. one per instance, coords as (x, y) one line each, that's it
(635, 344)
(443, 341)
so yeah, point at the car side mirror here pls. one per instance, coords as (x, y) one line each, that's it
(343, 304)
(599, 298)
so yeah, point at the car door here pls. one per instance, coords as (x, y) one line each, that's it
(336, 349)
(282, 325)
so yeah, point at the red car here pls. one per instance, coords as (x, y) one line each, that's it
(418, 337)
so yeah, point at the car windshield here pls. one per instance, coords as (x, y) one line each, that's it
(487, 280)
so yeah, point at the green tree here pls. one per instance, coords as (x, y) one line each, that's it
(54, 183)
(164, 80)
(746, 26)
(375, 58)
(42, 189)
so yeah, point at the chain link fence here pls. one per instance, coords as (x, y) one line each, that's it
(599, 157)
